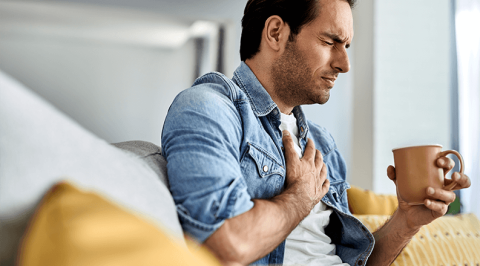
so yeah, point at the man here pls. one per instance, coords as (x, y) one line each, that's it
(242, 185)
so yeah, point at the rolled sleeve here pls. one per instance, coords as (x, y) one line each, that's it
(201, 142)
(234, 202)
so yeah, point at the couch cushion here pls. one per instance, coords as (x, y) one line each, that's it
(39, 146)
(449, 240)
(361, 201)
(73, 227)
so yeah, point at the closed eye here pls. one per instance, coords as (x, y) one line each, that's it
(329, 43)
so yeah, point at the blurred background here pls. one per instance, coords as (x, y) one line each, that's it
(115, 67)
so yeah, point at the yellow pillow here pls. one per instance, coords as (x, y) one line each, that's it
(449, 240)
(71, 227)
(362, 201)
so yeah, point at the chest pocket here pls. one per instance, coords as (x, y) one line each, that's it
(264, 175)
(265, 163)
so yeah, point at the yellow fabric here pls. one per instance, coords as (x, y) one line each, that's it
(73, 228)
(363, 201)
(449, 240)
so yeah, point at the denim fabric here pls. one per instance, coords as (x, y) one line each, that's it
(223, 145)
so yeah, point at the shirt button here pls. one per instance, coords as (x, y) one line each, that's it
(360, 262)
(265, 168)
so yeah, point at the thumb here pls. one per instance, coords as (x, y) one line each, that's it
(391, 173)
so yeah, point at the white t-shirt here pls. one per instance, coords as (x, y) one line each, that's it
(308, 244)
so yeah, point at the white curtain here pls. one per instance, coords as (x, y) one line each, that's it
(467, 26)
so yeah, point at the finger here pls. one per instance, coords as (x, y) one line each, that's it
(441, 194)
(391, 172)
(290, 153)
(322, 189)
(439, 208)
(309, 150)
(446, 163)
(322, 178)
(323, 172)
(325, 186)
(318, 160)
(463, 181)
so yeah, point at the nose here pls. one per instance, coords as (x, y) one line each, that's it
(340, 61)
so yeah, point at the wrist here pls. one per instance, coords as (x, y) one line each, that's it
(295, 202)
(391, 238)
(406, 226)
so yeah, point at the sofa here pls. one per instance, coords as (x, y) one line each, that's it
(70, 198)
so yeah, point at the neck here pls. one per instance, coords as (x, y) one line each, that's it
(262, 69)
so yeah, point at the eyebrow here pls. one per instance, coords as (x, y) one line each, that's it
(336, 38)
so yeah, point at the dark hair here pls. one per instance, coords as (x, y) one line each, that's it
(296, 13)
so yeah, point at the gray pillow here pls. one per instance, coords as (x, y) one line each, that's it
(149, 153)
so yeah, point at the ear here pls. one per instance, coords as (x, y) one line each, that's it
(276, 33)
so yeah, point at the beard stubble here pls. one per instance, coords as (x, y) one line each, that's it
(293, 81)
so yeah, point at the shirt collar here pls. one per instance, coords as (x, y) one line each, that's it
(262, 103)
(301, 121)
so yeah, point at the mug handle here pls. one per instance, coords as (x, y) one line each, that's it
(460, 158)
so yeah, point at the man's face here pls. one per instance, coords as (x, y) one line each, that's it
(306, 71)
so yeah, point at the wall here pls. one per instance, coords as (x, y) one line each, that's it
(118, 92)
(229, 12)
(106, 64)
(361, 170)
(412, 79)
(410, 93)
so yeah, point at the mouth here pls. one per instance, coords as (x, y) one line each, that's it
(329, 80)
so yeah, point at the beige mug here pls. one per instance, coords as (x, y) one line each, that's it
(416, 169)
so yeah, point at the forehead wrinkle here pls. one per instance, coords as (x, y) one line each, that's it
(337, 32)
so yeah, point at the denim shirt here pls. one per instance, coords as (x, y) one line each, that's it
(223, 145)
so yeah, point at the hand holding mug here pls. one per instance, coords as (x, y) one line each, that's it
(423, 191)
